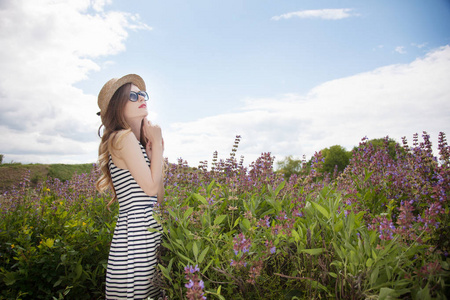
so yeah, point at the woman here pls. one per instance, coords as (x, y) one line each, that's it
(128, 144)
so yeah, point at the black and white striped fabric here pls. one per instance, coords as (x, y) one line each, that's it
(132, 257)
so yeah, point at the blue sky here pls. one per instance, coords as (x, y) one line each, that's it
(291, 77)
(214, 53)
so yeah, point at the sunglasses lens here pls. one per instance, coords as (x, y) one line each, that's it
(133, 96)
(144, 94)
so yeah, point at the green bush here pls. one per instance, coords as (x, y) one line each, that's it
(52, 248)
(326, 252)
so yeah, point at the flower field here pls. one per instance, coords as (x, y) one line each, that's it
(377, 230)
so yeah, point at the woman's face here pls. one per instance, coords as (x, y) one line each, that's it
(135, 110)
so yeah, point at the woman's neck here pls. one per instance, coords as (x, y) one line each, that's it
(136, 128)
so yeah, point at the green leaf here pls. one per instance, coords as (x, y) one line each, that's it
(369, 262)
(389, 272)
(321, 209)
(207, 266)
(374, 276)
(187, 233)
(200, 198)
(9, 278)
(202, 255)
(172, 214)
(185, 258)
(49, 242)
(315, 251)
(387, 293)
(169, 267)
(338, 226)
(168, 245)
(318, 285)
(150, 229)
(367, 174)
(268, 212)
(188, 212)
(246, 223)
(332, 274)
(351, 222)
(219, 219)
(215, 293)
(360, 216)
(353, 256)
(300, 231)
(180, 246)
(58, 282)
(280, 187)
(78, 270)
(295, 235)
(208, 189)
(63, 258)
(165, 272)
(338, 264)
(165, 230)
(195, 250)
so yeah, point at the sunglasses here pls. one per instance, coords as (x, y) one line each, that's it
(134, 96)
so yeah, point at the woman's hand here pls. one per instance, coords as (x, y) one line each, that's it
(149, 148)
(153, 133)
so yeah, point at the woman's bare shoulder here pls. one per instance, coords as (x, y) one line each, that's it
(123, 139)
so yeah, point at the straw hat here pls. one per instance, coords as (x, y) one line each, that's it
(112, 86)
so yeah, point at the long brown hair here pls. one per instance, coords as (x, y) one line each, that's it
(115, 128)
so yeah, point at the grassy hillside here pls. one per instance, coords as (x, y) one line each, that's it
(11, 174)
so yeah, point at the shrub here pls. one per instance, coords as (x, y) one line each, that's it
(54, 241)
(369, 233)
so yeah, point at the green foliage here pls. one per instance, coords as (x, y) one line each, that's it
(329, 252)
(51, 249)
(389, 144)
(289, 165)
(335, 156)
(65, 172)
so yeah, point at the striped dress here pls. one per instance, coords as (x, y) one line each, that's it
(132, 257)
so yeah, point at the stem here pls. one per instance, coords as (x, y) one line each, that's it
(219, 282)
(291, 277)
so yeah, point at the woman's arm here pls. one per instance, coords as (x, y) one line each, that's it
(161, 190)
(129, 151)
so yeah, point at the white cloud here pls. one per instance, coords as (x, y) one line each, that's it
(420, 46)
(400, 49)
(47, 46)
(327, 14)
(396, 100)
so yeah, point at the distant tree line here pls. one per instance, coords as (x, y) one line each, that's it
(335, 159)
